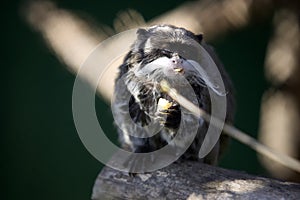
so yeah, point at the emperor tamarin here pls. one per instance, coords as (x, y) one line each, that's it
(166, 52)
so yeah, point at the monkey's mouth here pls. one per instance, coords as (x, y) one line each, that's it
(178, 70)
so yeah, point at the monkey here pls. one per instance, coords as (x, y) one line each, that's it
(166, 52)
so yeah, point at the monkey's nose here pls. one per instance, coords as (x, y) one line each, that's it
(177, 64)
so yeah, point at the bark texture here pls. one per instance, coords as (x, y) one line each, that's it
(191, 180)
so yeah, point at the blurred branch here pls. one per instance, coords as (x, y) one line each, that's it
(69, 36)
(72, 38)
(216, 18)
(280, 109)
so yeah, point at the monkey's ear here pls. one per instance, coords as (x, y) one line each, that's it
(142, 33)
(142, 36)
(199, 37)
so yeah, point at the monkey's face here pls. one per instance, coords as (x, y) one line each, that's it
(167, 49)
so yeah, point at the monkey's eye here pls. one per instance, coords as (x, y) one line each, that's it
(166, 53)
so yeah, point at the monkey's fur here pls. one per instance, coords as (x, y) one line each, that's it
(166, 44)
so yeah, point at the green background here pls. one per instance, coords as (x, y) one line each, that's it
(42, 156)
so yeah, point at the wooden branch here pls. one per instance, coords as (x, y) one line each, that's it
(190, 180)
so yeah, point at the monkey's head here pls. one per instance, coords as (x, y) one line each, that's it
(165, 48)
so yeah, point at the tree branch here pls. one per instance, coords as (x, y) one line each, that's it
(190, 180)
